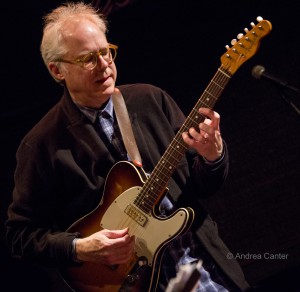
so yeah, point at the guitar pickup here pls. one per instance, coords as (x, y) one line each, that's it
(136, 215)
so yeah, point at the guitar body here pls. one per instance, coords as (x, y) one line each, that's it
(117, 210)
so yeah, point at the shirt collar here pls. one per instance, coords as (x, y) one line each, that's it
(92, 114)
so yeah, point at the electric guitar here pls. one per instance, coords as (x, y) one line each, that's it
(130, 196)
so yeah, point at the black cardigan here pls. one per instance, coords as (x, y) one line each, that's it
(62, 165)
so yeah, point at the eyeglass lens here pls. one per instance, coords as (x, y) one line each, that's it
(91, 60)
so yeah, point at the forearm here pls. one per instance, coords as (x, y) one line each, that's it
(39, 245)
(210, 176)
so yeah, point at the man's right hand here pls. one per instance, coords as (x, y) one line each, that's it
(110, 247)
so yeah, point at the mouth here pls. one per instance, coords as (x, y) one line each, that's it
(103, 79)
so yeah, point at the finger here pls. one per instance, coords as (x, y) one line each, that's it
(187, 138)
(212, 115)
(194, 134)
(121, 254)
(194, 138)
(206, 112)
(219, 141)
(207, 121)
(206, 130)
(116, 233)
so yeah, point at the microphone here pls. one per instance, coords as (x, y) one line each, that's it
(259, 72)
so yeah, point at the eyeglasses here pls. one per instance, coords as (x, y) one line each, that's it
(90, 60)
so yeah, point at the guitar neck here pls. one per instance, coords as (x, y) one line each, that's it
(154, 187)
(240, 52)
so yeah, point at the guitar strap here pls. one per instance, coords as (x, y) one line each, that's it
(125, 127)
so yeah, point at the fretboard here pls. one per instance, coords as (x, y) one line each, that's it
(156, 184)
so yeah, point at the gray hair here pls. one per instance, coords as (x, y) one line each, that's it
(52, 44)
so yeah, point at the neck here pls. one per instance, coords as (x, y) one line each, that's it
(90, 102)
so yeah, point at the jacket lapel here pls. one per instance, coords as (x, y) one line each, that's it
(83, 131)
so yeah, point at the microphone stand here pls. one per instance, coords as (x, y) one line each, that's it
(259, 71)
(292, 88)
(288, 100)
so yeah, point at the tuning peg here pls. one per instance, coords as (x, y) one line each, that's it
(239, 36)
(246, 30)
(233, 41)
(227, 47)
(258, 18)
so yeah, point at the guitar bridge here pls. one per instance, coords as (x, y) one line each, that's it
(136, 215)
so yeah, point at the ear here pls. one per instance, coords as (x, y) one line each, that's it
(55, 71)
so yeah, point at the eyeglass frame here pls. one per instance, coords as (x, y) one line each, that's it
(80, 60)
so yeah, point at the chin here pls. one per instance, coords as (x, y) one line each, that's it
(110, 89)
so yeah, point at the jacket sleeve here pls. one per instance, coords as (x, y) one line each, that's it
(31, 213)
(209, 177)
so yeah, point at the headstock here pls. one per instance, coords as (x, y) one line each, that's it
(245, 46)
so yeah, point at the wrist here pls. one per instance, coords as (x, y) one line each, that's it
(74, 251)
(215, 159)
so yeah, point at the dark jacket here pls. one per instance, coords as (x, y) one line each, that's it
(62, 165)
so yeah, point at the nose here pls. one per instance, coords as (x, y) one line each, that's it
(102, 62)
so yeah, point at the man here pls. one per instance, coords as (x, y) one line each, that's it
(64, 161)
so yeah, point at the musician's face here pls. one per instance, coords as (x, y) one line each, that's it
(87, 87)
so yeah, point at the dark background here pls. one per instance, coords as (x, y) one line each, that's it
(177, 45)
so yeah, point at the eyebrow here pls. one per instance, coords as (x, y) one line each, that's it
(89, 52)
